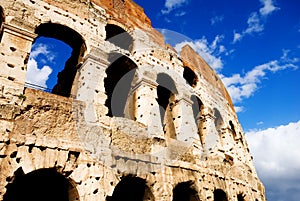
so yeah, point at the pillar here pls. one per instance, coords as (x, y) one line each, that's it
(90, 85)
(146, 108)
(15, 48)
(209, 135)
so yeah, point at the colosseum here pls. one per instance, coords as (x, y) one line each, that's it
(128, 119)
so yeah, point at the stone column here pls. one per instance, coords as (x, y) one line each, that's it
(185, 125)
(90, 85)
(14, 53)
(145, 106)
(209, 134)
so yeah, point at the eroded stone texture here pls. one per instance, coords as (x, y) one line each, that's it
(178, 139)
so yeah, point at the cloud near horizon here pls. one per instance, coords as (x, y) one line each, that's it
(276, 158)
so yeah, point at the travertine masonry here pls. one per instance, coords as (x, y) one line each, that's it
(128, 119)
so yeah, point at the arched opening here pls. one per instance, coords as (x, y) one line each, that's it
(240, 197)
(133, 189)
(118, 36)
(190, 76)
(218, 120)
(2, 20)
(232, 129)
(220, 195)
(184, 192)
(57, 35)
(166, 91)
(42, 184)
(197, 111)
(117, 84)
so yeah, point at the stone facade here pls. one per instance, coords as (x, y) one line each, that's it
(167, 132)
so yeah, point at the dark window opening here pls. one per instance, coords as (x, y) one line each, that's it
(2, 20)
(197, 107)
(163, 96)
(184, 192)
(117, 84)
(218, 120)
(240, 197)
(232, 128)
(65, 34)
(133, 189)
(118, 36)
(190, 76)
(197, 111)
(220, 195)
(166, 91)
(43, 184)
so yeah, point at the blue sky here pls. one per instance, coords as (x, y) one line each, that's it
(254, 45)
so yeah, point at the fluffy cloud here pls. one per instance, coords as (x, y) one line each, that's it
(172, 4)
(239, 109)
(268, 7)
(254, 24)
(237, 37)
(276, 157)
(209, 51)
(41, 49)
(254, 21)
(243, 86)
(35, 75)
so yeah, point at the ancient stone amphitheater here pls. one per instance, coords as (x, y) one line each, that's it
(129, 117)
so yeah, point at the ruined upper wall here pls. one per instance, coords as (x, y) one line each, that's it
(196, 62)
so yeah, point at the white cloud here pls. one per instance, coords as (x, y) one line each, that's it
(216, 19)
(268, 7)
(255, 20)
(37, 76)
(254, 24)
(208, 51)
(276, 157)
(237, 37)
(243, 86)
(173, 4)
(239, 109)
(42, 49)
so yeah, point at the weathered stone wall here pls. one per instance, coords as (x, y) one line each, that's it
(200, 144)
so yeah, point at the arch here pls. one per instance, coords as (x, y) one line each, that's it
(184, 192)
(2, 20)
(197, 111)
(133, 189)
(43, 184)
(240, 197)
(120, 73)
(190, 76)
(166, 91)
(218, 120)
(220, 195)
(65, 78)
(118, 36)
